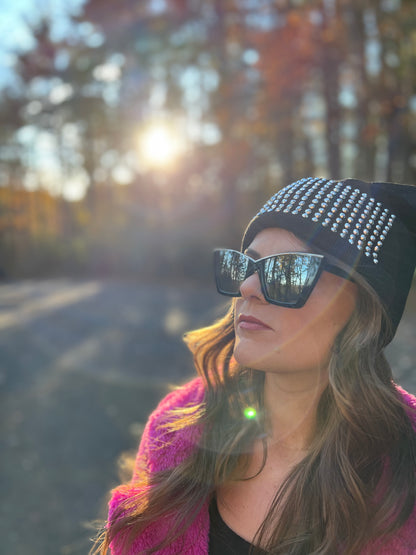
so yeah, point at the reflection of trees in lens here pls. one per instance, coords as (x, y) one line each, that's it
(313, 266)
(276, 275)
(233, 270)
(288, 275)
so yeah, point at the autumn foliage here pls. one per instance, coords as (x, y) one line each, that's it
(262, 93)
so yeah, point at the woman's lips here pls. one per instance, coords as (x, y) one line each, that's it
(250, 323)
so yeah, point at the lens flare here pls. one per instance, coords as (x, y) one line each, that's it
(250, 413)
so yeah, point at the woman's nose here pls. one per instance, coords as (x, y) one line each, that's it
(251, 287)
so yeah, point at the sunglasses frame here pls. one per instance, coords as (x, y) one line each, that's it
(257, 265)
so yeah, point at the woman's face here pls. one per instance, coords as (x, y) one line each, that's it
(289, 339)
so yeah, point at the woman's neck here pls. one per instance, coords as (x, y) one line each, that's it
(291, 404)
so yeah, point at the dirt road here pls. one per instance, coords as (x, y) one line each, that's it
(81, 366)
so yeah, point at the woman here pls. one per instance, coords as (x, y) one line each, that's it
(294, 438)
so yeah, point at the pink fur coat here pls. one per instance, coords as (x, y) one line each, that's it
(160, 450)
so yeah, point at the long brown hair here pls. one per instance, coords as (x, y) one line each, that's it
(356, 484)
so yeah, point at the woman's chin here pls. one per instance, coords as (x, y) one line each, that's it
(247, 357)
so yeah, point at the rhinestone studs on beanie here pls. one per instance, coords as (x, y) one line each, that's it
(369, 227)
(355, 215)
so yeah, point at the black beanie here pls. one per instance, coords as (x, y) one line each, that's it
(371, 227)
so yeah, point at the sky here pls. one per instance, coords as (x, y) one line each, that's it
(16, 19)
(15, 35)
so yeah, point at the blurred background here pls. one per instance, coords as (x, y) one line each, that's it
(135, 136)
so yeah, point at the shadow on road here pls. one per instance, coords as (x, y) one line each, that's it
(81, 366)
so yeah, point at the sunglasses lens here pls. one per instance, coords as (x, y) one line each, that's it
(289, 278)
(231, 269)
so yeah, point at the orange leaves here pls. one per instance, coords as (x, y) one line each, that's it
(33, 213)
(287, 56)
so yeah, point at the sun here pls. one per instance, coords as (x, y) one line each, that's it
(160, 146)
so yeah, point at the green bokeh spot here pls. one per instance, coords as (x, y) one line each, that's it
(250, 413)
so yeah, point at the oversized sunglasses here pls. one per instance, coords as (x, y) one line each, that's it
(286, 279)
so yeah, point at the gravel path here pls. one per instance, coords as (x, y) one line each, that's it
(81, 366)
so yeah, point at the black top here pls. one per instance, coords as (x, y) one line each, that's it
(222, 540)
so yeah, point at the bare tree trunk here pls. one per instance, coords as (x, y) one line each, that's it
(330, 63)
(227, 174)
(287, 144)
(366, 128)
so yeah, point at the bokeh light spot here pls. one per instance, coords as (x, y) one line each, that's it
(250, 413)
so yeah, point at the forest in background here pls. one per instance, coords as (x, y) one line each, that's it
(255, 93)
